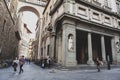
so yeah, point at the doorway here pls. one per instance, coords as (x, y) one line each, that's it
(108, 49)
(81, 47)
(96, 46)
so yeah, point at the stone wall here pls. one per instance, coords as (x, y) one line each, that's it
(8, 38)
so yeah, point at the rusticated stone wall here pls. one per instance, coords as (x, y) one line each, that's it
(8, 37)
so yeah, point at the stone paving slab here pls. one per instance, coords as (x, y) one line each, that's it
(33, 72)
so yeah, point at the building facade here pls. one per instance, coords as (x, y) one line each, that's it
(79, 31)
(24, 42)
(37, 7)
(31, 49)
(9, 36)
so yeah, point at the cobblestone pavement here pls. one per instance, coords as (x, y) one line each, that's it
(33, 72)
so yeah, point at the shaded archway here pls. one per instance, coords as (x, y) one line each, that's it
(21, 14)
(28, 8)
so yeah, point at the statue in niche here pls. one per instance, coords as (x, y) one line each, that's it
(118, 46)
(70, 42)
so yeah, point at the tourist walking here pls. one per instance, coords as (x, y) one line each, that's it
(21, 63)
(98, 63)
(15, 64)
(48, 62)
(108, 62)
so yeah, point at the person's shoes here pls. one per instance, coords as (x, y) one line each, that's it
(22, 71)
(19, 72)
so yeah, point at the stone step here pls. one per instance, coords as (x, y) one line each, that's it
(85, 67)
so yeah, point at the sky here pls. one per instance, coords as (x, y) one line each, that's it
(30, 19)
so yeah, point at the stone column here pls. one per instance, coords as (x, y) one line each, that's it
(114, 51)
(103, 49)
(90, 60)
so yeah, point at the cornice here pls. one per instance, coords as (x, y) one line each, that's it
(56, 6)
(76, 18)
(89, 4)
(32, 3)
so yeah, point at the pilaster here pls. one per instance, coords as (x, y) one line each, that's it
(68, 55)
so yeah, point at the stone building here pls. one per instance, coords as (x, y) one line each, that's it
(31, 49)
(37, 7)
(24, 42)
(78, 31)
(9, 36)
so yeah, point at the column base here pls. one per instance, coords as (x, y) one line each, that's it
(114, 62)
(104, 62)
(90, 62)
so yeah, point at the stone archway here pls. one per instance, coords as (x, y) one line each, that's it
(23, 7)
(29, 8)
(26, 6)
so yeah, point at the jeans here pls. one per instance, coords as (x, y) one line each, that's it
(21, 70)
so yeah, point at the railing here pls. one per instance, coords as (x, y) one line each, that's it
(107, 7)
(95, 2)
(43, 3)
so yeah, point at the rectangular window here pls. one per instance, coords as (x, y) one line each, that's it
(118, 6)
(82, 11)
(96, 16)
(107, 20)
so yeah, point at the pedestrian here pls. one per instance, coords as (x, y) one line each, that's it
(21, 63)
(108, 62)
(48, 62)
(15, 64)
(98, 63)
(43, 63)
(29, 61)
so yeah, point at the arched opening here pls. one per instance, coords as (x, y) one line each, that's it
(28, 8)
(28, 19)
